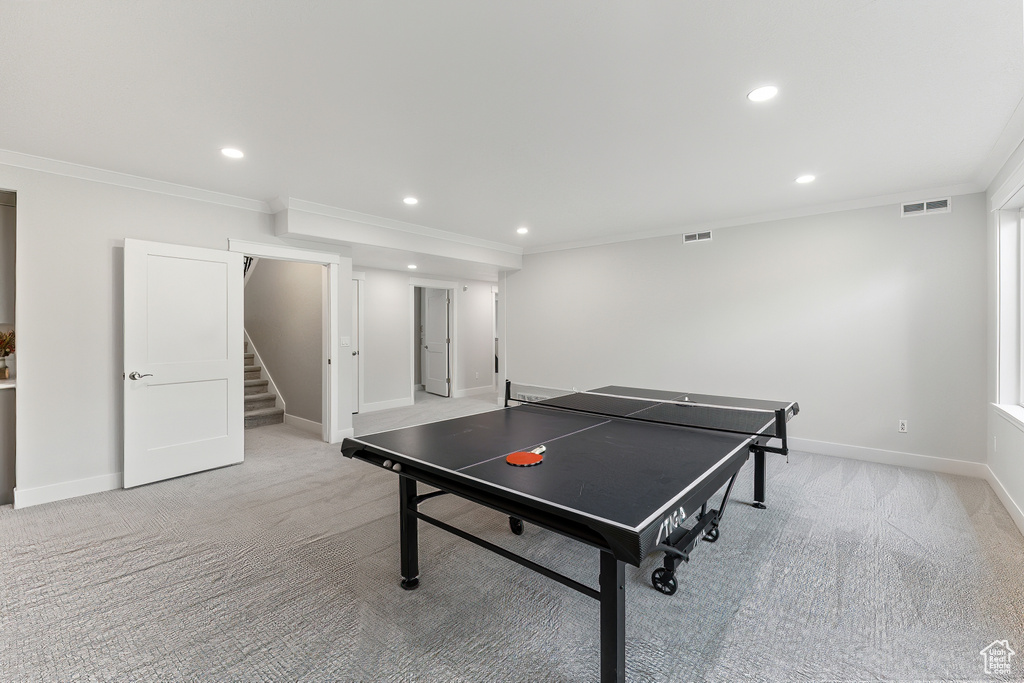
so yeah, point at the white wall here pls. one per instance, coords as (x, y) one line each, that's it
(69, 310)
(862, 317)
(388, 338)
(476, 337)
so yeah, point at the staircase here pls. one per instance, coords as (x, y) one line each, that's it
(260, 404)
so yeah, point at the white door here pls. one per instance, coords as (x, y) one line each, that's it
(436, 341)
(183, 360)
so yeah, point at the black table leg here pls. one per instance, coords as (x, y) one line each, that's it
(759, 479)
(613, 619)
(408, 533)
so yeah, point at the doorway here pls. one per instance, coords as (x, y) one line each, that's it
(355, 359)
(285, 352)
(8, 238)
(433, 323)
(198, 291)
(320, 417)
(436, 364)
(497, 338)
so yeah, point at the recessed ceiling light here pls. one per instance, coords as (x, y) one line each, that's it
(804, 179)
(411, 200)
(232, 153)
(412, 266)
(523, 230)
(765, 92)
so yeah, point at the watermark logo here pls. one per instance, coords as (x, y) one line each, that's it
(671, 522)
(997, 657)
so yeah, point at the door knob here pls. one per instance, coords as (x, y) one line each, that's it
(135, 375)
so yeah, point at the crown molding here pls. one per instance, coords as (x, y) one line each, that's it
(279, 204)
(1007, 145)
(866, 203)
(292, 204)
(99, 175)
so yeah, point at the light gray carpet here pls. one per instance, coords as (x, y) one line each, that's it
(426, 408)
(285, 568)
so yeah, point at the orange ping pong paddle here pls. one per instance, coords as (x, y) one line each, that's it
(526, 458)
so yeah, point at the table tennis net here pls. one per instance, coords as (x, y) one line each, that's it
(731, 419)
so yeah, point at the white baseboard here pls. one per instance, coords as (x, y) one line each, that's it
(978, 470)
(386, 405)
(340, 435)
(304, 424)
(921, 462)
(1016, 513)
(24, 497)
(477, 391)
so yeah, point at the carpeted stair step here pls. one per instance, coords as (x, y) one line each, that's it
(261, 400)
(253, 371)
(250, 359)
(264, 416)
(255, 386)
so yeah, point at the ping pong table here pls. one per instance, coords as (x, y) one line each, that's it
(629, 471)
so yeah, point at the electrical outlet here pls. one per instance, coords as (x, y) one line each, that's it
(903, 426)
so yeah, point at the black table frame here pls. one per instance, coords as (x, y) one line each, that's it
(612, 572)
(612, 575)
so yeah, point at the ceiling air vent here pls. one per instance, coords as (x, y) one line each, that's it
(696, 237)
(922, 208)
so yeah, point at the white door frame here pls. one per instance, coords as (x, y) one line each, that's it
(434, 334)
(499, 340)
(331, 383)
(453, 326)
(360, 279)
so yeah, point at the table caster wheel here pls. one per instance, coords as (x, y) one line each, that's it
(711, 536)
(516, 525)
(410, 584)
(664, 581)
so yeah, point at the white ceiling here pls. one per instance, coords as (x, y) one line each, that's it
(584, 120)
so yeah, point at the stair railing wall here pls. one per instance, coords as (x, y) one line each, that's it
(271, 387)
(249, 263)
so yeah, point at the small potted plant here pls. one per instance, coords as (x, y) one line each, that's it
(6, 349)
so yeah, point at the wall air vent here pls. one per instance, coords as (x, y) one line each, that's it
(926, 207)
(696, 237)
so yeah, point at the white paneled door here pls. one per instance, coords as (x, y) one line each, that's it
(436, 341)
(183, 360)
